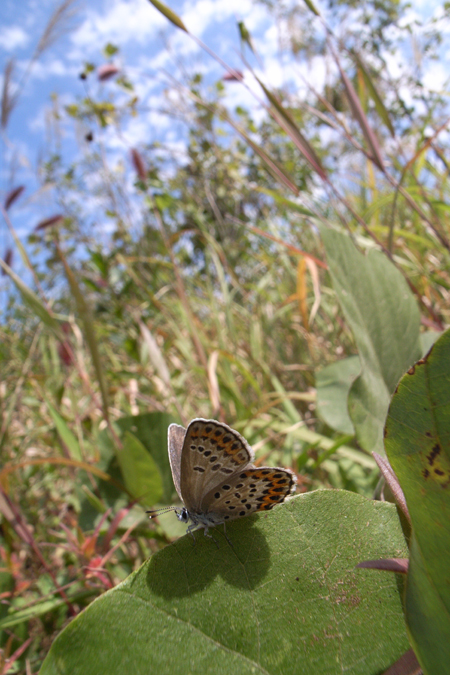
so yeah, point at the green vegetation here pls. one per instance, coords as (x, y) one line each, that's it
(280, 276)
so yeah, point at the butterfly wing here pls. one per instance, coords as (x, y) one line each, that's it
(249, 490)
(212, 453)
(175, 440)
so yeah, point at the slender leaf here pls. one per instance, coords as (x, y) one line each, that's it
(16, 617)
(245, 35)
(65, 434)
(287, 122)
(286, 202)
(12, 196)
(32, 300)
(362, 120)
(312, 7)
(373, 92)
(169, 14)
(88, 324)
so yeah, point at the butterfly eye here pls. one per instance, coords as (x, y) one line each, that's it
(183, 515)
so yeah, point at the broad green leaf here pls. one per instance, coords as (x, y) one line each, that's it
(333, 385)
(384, 318)
(417, 439)
(140, 473)
(151, 430)
(65, 434)
(427, 340)
(283, 596)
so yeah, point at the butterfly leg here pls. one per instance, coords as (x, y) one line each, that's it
(210, 536)
(190, 531)
(226, 536)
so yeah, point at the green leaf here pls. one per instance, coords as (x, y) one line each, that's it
(245, 35)
(360, 116)
(276, 169)
(72, 110)
(151, 430)
(169, 14)
(140, 473)
(384, 318)
(283, 597)
(333, 386)
(65, 434)
(287, 122)
(32, 300)
(88, 325)
(417, 445)
(110, 49)
(312, 7)
(373, 92)
(286, 202)
(16, 617)
(427, 340)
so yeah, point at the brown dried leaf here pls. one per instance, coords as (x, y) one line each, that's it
(9, 97)
(107, 71)
(361, 118)
(13, 195)
(48, 222)
(7, 259)
(235, 76)
(138, 164)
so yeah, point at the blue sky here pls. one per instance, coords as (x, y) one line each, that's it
(149, 46)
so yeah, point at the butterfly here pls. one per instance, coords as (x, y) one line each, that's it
(214, 476)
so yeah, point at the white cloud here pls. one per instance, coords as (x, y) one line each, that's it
(436, 76)
(183, 45)
(426, 7)
(125, 21)
(201, 14)
(256, 18)
(13, 37)
(53, 67)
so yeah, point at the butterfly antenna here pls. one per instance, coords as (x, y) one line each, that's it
(165, 509)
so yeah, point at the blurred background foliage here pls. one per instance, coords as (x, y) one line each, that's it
(170, 285)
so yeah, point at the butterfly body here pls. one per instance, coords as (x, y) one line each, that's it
(215, 478)
(205, 520)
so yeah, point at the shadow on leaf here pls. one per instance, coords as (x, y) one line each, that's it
(186, 568)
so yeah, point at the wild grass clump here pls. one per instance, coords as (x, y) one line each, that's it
(211, 297)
